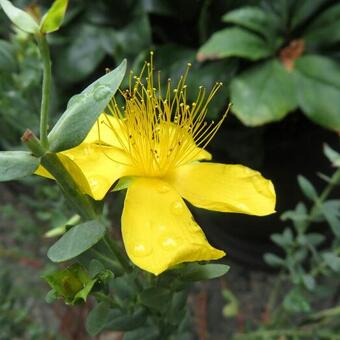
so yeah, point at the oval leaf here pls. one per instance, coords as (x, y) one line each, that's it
(53, 19)
(97, 318)
(19, 18)
(16, 164)
(198, 272)
(76, 241)
(84, 109)
(234, 42)
(263, 94)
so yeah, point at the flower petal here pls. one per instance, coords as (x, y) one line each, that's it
(107, 130)
(94, 167)
(158, 229)
(101, 166)
(227, 188)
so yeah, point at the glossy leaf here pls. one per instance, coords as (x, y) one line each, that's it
(84, 109)
(76, 241)
(19, 17)
(122, 321)
(234, 42)
(263, 94)
(251, 17)
(307, 188)
(17, 164)
(53, 19)
(156, 298)
(318, 89)
(199, 272)
(97, 318)
(325, 29)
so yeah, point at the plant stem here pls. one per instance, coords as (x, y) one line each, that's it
(46, 88)
(118, 253)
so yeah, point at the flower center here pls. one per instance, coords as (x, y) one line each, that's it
(160, 130)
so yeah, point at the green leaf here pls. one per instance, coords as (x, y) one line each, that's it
(332, 260)
(284, 240)
(263, 94)
(72, 284)
(53, 19)
(234, 42)
(273, 260)
(315, 238)
(199, 272)
(19, 18)
(251, 17)
(95, 268)
(231, 309)
(97, 318)
(16, 164)
(318, 89)
(307, 188)
(296, 302)
(76, 241)
(7, 57)
(332, 155)
(325, 29)
(303, 10)
(84, 109)
(51, 296)
(145, 333)
(156, 297)
(308, 281)
(122, 321)
(331, 212)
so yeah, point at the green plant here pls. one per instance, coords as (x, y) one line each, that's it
(291, 49)
(301, 303)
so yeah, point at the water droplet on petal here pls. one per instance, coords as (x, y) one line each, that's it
(169, 242)
(141, 250)
(163, 188)
(177, 208)
(98, 181)
(101, 92)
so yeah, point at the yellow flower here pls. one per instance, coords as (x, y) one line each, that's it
(158, 140)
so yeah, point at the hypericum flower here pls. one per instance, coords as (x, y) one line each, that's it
(158, 139)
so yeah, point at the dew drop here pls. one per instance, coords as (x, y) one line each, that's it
(163, 188)
(177, 208)
(101, 92)
(169, 242)
(141, 250)
(96, 181)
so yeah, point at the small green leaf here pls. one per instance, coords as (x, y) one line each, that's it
(315, 238)
(251, 17)
(84, 109)
(53, 19)
(332, 155)
(317, 81)
(263, 93)
(198, 272)
(19, 18)
(308, 281)
(307, 188)
(325, 29)
(123, 321)
(332, 260)
(16, 164)
(97, 318)
(123, 183)
(156, 297)
(51, 296)
(231, 309)
(72, 284)
(95, 268)
(273, 260)
(331, 212)
(234, 42)
(76, 241)
(296, 302)
(145, 333)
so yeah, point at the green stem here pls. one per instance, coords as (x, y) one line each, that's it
(46, 88)
(113, 263)
(73, 194)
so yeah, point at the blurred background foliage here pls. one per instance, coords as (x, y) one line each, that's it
(280, 65)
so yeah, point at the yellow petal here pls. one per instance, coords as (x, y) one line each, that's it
(101, 165)
(158, 229)
(107, 130)
(94, 167)
(227, 188)
(72, 169)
